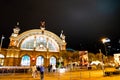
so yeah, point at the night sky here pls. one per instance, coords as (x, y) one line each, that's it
(84, 22)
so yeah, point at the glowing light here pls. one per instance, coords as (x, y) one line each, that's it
(105, 40)
(33, 59)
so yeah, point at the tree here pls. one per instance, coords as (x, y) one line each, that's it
(91, 57)
(66, 55)
(99, 56)
(75, 56)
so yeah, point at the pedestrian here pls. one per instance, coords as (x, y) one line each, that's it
(53, 68)
(34, 71)
(41, 72)
(49, 68)
(38, 68)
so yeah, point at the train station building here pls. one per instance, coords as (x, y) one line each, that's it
(33, 47)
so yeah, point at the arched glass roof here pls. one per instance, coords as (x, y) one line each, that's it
(39, 43)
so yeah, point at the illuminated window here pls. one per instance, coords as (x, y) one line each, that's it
(52, 61)
(25, 61)
(40, 60)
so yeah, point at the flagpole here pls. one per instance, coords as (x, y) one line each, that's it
(1, 42)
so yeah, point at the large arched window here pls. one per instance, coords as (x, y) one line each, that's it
(1, 60)
(40, 60)
(52, 60)
(25, 61)
(40, 43)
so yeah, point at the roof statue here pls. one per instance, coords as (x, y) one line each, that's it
(62, 36)
(42, 24)
(16, 30)
(15, 33)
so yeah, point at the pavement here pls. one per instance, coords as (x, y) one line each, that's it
(76, 75)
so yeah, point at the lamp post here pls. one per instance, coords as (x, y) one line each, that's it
(104, 41)
(1, 42)
(102, 62)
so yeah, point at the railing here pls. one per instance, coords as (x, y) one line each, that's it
(14, 69)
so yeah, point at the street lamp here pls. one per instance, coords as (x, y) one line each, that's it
(104, 41)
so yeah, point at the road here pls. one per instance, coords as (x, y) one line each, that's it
(73, 75)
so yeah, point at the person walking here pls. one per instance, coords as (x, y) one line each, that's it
(41, 72)
(34, 71)
(53, 68)
(49, 68)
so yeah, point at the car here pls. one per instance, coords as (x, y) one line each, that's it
(61, 69)
(95, 63)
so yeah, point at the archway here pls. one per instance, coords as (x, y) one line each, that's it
(25, 61)
(40, 60)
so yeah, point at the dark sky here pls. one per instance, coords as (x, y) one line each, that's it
(84, 22)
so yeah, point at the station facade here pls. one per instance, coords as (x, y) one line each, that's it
(33, 47)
